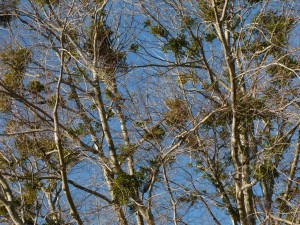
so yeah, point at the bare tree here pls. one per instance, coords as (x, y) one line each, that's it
(149, 112)
(236, 62)
(64, 111)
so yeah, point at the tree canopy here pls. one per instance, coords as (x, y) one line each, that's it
(149, 112)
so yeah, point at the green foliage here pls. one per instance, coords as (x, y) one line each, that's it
(35, 87)
(95, 1)
(78, 130)
(7, 8)
(265, 170)
(191, 197)
(138, 123)
(255, 46)
(97, 125)
(188, 21)
(236, 22)
(3, 211)
(277, 27)
(134, 47)
(115, 97)
(207, 11)
(142, 123)
(147, 23)
(13, 81)
(282, 75)
(176, 45)
(154, 133)
(178, 113)
(109, 57)
(221, 152)
(79, 72)
(33, 147)
(71, 157)
(250, 108)
(192, 141)
(231, 190)
(93, 107)
(125, 186)
(109, 94)
(272, 33)
(3, 162)
(52, 221)
(5, 103)
(5, 19)
(71, 96)
(224, 134)
(193, 48)
(47, 2)
(158, 31)
(210, 36)
(30, 193)
(183, 78)
(51, 101)
(283, 205)
(16, 60)
(254, 1)
(125, 152)
(218, 119)
(39, 147)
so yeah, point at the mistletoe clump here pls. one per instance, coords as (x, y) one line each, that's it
(178, 112)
